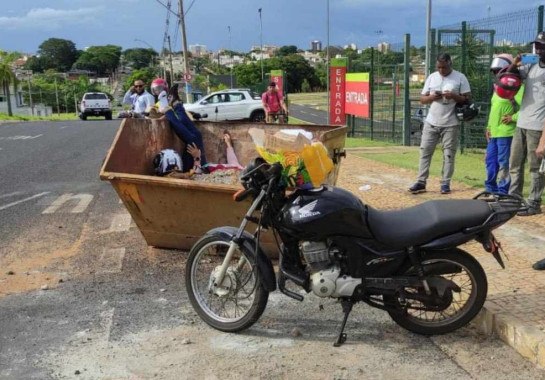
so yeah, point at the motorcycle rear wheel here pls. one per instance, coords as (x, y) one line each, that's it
(461, 306)
(240, 300)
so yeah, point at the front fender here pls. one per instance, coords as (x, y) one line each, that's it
(264, 264)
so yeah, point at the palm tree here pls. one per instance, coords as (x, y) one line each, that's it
(7, 78)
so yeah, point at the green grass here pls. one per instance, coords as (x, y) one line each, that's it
(317, 100)
(54, 117)
(470, 168)
(355, 142)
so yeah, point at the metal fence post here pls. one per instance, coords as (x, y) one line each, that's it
(540, 18)
(372, 90)
(464, 70)
(406, 93)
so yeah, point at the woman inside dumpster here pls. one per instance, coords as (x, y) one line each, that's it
(171, 106)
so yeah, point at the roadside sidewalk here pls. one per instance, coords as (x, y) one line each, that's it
(515, 306)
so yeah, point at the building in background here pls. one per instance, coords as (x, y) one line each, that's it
(383, 47)
(198, 50)
(315, 46)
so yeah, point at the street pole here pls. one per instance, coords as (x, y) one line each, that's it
(261, 43)
(171, 67)
(327, 63)
(184, 44)
(428, 39)
(30, 96)
(57, 97)
(231, 61)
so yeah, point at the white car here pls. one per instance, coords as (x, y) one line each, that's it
(232, 104)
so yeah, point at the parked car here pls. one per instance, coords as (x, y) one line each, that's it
(232, 104)
(95, 104)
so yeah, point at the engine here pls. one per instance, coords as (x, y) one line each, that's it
(325, 278)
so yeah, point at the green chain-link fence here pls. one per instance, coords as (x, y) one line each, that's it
(472, 45)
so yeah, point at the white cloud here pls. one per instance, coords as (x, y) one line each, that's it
(51, 19)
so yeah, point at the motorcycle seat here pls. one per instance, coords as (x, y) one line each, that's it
(420, 224)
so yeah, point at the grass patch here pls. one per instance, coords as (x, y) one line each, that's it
(294, 120)
(317, 100)
(358, 142)
(54, 117)
(469, 166)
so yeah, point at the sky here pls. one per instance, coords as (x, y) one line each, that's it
(25, 24)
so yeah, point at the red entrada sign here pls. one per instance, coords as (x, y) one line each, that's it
(337, 73)
(357, 94)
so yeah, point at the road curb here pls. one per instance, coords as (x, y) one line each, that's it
(528, 341)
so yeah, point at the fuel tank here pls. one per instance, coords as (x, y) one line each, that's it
(318, 213)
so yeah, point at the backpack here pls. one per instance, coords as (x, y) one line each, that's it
(166, 161)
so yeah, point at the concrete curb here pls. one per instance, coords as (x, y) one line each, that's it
(528, 341)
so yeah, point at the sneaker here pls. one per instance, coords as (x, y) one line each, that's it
(418, 187)
(445, 189)
(531, 211)
(539, 265)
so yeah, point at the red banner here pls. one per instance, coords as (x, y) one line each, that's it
(337, 73)
(357, 94)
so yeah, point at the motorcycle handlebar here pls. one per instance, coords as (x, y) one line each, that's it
(241, 195)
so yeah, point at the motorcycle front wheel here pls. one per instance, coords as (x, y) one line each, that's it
(452, 310)
(236, 303)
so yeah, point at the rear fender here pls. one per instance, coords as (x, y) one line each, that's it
(264, 264)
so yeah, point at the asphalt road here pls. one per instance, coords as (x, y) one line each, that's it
(82, 296)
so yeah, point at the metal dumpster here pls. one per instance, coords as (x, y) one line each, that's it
(174, 213)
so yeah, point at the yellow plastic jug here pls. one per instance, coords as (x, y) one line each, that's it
(317, 162)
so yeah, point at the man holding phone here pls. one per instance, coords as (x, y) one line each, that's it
(442, 90)
(529, 128)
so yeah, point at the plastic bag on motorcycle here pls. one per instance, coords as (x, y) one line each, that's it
(305, 163)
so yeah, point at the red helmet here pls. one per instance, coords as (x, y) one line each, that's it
(158, 85)
(507, 84)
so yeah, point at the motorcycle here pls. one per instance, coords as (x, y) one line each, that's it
(406, 262)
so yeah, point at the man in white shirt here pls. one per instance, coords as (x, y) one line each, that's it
(138, 98)
(442, 90)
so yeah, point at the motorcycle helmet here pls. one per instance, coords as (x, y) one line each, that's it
(466, 111)
(166, 161)
(158, 85)
(500, 62)
(507, 84)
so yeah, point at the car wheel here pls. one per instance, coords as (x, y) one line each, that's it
(258, 116)
(108, 116)
(83, 117)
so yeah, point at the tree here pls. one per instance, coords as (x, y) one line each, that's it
(286, 50)
(139, 58)
(7, 78)
(101, 59)
(147, 74)
(57, 54)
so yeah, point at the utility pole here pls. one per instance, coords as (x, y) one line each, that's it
(30, 95)
(428, 40)
(261, 43)
(231, 60)
(184, 44)
(57, 97)
(171, 67)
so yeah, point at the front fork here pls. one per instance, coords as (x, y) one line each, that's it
(237, 240)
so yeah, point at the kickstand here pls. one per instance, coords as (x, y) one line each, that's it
(347, 308)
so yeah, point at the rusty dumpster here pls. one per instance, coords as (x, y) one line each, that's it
(174, 213)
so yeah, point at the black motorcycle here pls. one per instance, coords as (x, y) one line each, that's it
(406, 262)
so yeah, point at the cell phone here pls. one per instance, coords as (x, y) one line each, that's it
(529, 59)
